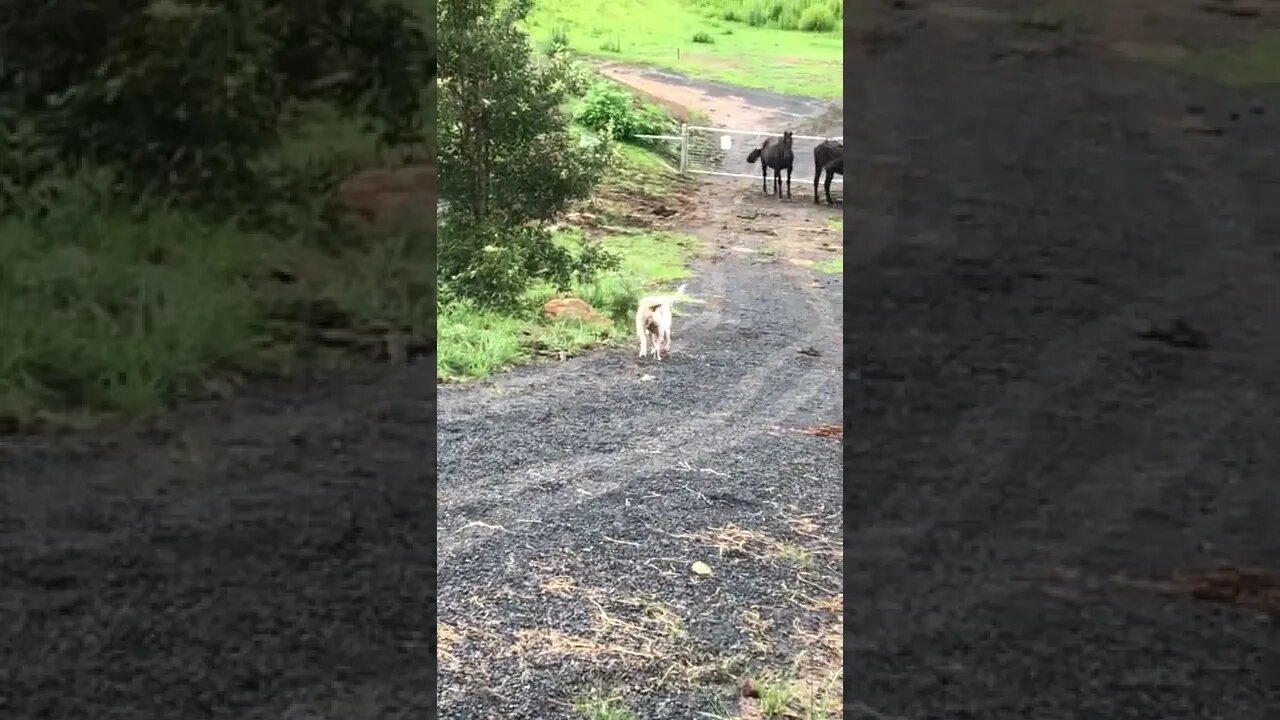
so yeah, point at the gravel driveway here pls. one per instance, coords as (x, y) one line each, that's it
(1030, 465)
(574, 499)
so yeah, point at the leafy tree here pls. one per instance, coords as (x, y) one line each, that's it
(184, 97)
(508, 159)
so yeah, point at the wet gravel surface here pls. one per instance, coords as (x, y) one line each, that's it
(603, 472)
(1039, 458)
(269, 557)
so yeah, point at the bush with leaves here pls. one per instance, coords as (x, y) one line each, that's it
(183, 98)
(493, 265)
(610, 110)
(509, 161)
(607, 109)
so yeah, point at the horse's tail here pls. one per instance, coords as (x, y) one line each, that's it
(755, 155)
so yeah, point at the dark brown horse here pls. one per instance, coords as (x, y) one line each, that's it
(775, 153)
(828, 157)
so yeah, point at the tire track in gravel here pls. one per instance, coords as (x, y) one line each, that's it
(710, 431)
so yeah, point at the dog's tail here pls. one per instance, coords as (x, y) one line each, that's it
(666, 300)
(754, 155)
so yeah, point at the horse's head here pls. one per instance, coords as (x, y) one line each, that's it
(786, 138)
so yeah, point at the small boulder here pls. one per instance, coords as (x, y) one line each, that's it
(379, 195)
(571, 308)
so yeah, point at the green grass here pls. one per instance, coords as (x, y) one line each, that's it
(599, 706)
(1254, 64)
(642, 170)
(117, 311)
(834, 266)
(475, 343)
(775, 697)
(662, 32)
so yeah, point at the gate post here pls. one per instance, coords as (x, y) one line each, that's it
(684, 147)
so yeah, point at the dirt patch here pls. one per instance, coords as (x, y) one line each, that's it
(379, 196)
(727, 106)
(687, 101)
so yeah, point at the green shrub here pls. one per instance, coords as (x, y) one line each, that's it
(181, 98)
(607, 109)
(492, 265)
(807, 15)
(559, 38)
(816, 18)
(703, 37)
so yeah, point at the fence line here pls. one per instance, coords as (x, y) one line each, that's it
(723, 152)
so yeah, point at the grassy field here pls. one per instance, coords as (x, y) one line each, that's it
(696, 39)
(113, 310)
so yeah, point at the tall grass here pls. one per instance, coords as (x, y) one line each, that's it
(804, 15)
(111, 309)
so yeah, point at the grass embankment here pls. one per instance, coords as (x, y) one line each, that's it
(834, 266)
(115, 310)
(1253, 64)
(710, 39)
(474, 343)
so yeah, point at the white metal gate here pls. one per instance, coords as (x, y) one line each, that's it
(721, 151)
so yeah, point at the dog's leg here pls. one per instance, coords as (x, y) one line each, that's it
(642, 333)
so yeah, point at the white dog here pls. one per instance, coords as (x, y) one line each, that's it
(653, 323)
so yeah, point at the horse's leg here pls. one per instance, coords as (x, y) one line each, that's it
(817, 174)
(788, 182)
(827, 187)
(764, 176)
